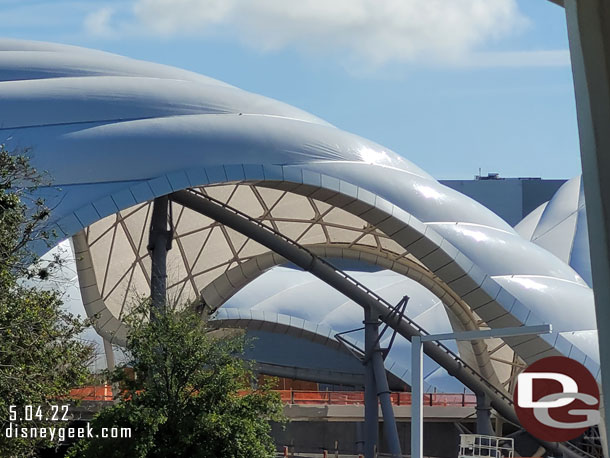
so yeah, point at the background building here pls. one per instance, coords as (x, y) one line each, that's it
(510, 198)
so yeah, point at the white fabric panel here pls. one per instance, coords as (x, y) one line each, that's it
(527, 225)
(506, 252)
(294, 293)
(546, 296)
(102, 125)
(580, 257)
(562, 205)
(554, 240)
(560, 226)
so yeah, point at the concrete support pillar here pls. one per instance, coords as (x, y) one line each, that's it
(589, 35)
(159, 242)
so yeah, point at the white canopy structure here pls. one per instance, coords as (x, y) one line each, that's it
(560, 226)
(115, 133)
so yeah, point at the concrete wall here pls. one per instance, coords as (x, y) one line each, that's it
(441, 439)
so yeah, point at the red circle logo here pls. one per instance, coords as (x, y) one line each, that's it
(557, 399)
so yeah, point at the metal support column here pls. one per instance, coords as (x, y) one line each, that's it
(359, 438)
(358, 293)
(109, 353)
(378, 389)
(384, 395)
(484, 426)
(417, 422)
(371, 407)
(159, 242)
(417, 398)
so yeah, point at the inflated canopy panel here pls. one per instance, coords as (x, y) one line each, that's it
(560, 226)
(114, 133)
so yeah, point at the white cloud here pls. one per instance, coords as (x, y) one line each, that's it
(98, 22)
(376, 31)
(539, 58)
(364, 33)
(171, 17)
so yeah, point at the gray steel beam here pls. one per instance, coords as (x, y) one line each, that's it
(371, 405)
(384, 395)
(484, 416)
(312, 375)
(159, 243)
(374, 363)
(305, 260)
(491, 333)
(359, 438)
(417, 398)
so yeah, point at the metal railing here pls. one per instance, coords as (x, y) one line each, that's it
(478, 445)
(310, 397)
(313, 397)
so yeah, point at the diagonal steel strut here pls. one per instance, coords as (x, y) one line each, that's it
(360, 294)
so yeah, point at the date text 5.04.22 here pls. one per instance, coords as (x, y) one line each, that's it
(51, 412)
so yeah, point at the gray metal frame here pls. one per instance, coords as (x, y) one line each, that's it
(358, 293)
(417, 379)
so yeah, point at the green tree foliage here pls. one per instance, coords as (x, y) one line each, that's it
(190, 396)
(41, 358)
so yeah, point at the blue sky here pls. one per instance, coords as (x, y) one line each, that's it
(453, 85)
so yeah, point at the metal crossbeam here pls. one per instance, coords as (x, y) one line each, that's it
(491, 333)
(360, 294)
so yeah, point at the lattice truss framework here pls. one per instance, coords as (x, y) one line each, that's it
(203, 249)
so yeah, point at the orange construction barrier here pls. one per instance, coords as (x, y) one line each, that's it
(92, 393)
(308, 397)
